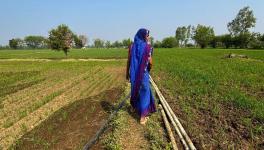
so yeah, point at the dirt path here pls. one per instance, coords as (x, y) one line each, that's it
(125, 131)
(134, 138)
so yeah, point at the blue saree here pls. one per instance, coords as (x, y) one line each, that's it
(142, 99)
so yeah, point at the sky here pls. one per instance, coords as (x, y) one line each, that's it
(118, 19)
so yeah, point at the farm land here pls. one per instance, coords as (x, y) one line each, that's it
(45, 95)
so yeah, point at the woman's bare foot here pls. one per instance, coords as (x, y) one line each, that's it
(143, 120)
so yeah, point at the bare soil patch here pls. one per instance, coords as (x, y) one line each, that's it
(72, 126)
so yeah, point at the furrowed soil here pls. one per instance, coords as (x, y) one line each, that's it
(62, 84)
(72, 126)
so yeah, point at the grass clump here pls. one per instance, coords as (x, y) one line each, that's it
(155, 134)
(8, 123)
(111, 141)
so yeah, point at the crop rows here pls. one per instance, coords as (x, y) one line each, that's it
(220, 100)
(24, 109)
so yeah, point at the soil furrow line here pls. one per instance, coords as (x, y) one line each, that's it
(99, 86)
(26, 104)
(9, 135)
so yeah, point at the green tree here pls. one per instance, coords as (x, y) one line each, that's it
(256, 41)
(83, 39)
(214, 41)
(183, 35)
(117, 44)
(217, 41)
(227, 40)
(242, 40)
(244, 20)
(151, 40)
(16, 43)
(126, 42)
(77, 41)
(61, 38)
(157, 44)
(203, 35)
(13, 43)
(169, 42)
(35, 41)
(108, 44)
(4, 47)
(98, 43)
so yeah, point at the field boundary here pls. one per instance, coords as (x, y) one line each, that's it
(63, 60)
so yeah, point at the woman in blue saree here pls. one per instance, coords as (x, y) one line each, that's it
(138, 67)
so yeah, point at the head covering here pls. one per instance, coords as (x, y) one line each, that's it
(141, 35)
(137, 52)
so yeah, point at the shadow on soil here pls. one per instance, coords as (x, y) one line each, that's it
(107, 106)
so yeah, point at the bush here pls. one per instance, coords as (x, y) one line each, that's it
(157, 44)
(169, 42)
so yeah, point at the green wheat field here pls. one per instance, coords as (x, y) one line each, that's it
(219, 100)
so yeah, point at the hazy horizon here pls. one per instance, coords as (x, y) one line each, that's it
(115, 20)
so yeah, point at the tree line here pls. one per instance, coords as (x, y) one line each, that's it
(203, 36)
(239, 36)
(41, 42)
(62, 38)
(99, 43)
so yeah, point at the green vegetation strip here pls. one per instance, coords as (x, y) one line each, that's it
(203, 85)
(103, 128)
(74, 53)
(11, 82)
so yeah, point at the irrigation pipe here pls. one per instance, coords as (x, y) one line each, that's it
(167, 125)
(175, 121)
(104, 126)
